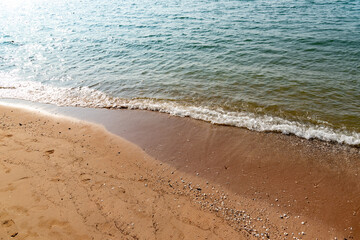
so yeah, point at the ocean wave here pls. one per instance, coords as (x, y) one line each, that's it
(87, 97)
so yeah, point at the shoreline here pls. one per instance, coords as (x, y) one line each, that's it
(302, 127)
(293, 179)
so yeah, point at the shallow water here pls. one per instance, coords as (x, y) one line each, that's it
(287, 66)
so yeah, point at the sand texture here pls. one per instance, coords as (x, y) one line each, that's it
(61, 178)
(70, 180)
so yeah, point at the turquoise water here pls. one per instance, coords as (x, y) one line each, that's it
(287, 66)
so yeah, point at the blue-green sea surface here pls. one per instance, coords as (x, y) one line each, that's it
(291, 66)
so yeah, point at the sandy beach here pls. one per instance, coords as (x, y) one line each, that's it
(63, 178)
(158, 120)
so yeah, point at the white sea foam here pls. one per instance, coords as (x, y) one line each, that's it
(86, 97)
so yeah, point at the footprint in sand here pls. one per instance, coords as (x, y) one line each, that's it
(8, 229)
(85, 178)
(50, 151)
(7, 169)
(10, 187)
(5, 136)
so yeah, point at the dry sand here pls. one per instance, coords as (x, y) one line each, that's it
(61, 178)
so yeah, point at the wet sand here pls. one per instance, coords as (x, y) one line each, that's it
(264, 184)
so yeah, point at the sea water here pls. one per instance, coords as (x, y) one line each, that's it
(290, 66)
